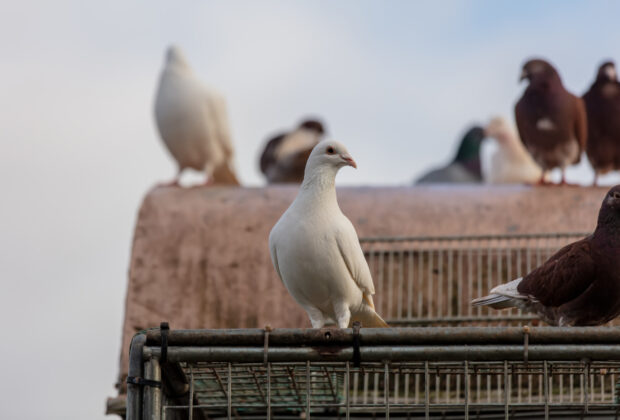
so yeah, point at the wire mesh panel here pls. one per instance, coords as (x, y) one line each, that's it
(432, 280)
(499, 389)
(429, 372)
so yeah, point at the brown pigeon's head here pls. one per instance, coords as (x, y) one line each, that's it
(609, 216)
(612, 199)
(313, 125)
(607, 72)
(538, 72)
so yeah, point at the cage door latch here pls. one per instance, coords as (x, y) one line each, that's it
(136, 380)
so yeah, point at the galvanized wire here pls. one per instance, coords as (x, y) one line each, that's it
(417, 388)
(432, 280)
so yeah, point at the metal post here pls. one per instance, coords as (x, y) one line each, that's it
(268, 391)
(586, 385)
(152, 394)
(390, 291)
(136, 370)
(420, 281)
(347, 391)
(191, 393)
(386, 390)
(308, 391)
(546, 380)
(466, 383)
(429, 284)
(410, 285)
(229, 391)
(450, 281)
(506, 396)
(426, 392)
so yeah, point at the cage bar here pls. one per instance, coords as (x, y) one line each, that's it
(479, 372)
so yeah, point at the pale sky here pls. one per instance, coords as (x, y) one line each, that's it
(397, 82)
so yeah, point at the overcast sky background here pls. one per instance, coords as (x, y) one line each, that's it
(397, 82)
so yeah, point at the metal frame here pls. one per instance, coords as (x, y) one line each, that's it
(458, 372)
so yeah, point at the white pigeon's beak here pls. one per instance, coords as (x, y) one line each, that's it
(348, 160)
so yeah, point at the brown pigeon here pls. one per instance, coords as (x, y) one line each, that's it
(551, 121)
(580, 284)
(603, 109)
(285, 155)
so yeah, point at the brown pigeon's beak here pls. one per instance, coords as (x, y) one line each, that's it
(348, 160)
(524, 75)
(610, 71)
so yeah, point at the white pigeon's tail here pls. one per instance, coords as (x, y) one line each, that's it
(494, 301)
(224, 175)
(368, 318)
(502, 296)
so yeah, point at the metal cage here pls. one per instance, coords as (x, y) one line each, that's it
(431, 372)
(465, 362)
(432, 280)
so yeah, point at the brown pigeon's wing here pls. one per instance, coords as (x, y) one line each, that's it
(268, 157)
(563, 277)
(521, 121)
(581, 123)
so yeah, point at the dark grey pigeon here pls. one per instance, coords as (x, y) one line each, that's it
(465, 167)
(579, 285)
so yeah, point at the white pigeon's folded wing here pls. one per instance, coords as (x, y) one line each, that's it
(353, 256)
(274, 257)
(220, 118)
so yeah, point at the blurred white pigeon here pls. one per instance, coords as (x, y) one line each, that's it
(315, 249)
(193, 122)
(511, 163)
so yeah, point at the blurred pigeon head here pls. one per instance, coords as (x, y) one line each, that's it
(612, 204)
(174, 56)
(538, 71)
(470, 145)
(498, 128)
(313, 125)
(607, 72)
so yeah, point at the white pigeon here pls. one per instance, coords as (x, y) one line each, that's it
(511, 163)
(315, 249)
(193, 122)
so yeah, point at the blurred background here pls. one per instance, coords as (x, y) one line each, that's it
(398, 82)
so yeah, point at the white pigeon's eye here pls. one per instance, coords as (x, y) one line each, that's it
(330, 150)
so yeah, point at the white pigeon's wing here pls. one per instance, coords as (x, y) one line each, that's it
(274, 257)
(509, 289)
(353, 256)
(220, 119)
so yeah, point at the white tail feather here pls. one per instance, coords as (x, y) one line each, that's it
(502, 296)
